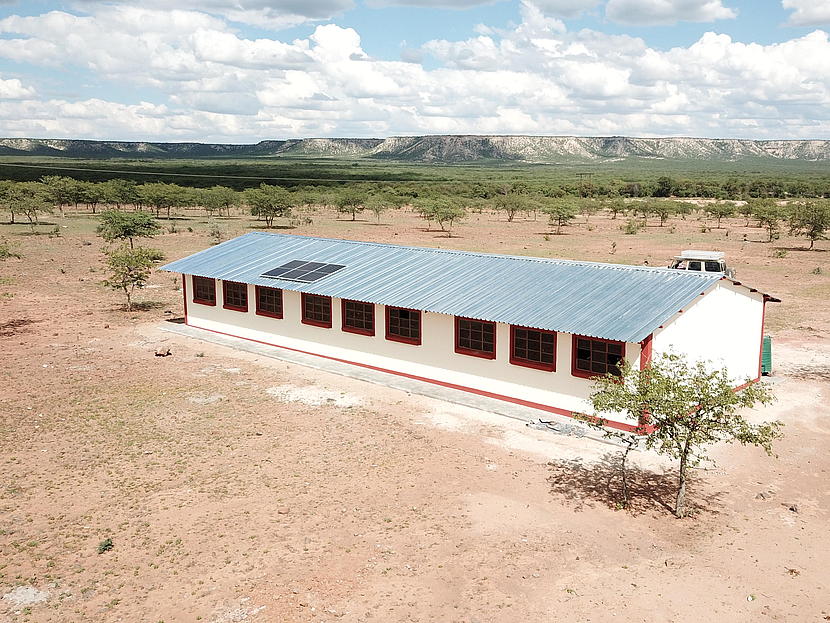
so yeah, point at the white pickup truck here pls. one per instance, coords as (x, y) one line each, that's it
(703, 261)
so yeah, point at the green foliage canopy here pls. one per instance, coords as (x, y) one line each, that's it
(116, 225)
(688, 406)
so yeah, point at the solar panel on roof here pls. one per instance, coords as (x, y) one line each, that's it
(304, 272)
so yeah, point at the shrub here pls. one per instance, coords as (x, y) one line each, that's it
(631, 227)
(105, 545)
(6, 251)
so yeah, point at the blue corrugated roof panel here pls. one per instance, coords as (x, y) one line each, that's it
(611, 301)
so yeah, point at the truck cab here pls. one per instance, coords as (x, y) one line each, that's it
(702, 261)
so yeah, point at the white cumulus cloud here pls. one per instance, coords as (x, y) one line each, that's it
(808, 12)
(434, 4)
(564, 8)
(650, 12)
(207, 82)
(14, 89)
(262, 13)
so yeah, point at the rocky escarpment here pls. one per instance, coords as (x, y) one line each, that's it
(443, 149)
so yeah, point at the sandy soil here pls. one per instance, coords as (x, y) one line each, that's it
(241, 488)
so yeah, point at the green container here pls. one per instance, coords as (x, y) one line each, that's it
(766, 356)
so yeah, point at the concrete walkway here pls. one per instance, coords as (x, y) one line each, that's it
(555, 423)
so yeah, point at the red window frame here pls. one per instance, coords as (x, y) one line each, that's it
(399, 338)
(203, 280)
(463, 350)
(233, 284)
(585, 373)
(358, 330)
(529, 363)
(311, 321)
(265, 312)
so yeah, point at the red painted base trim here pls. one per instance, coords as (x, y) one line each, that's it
(525, 403)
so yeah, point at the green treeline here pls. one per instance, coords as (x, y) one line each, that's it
(444, 203)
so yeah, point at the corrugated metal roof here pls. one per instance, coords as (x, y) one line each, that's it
(610, 301)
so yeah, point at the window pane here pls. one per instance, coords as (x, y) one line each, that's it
(317, 308)
(404, 323)
(598, 356)
(359, 316)
(204, 289)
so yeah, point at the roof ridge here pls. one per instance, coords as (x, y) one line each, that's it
(529, 258)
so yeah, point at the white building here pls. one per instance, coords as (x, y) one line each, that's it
(527, 330)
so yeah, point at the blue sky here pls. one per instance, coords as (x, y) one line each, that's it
(248, 70)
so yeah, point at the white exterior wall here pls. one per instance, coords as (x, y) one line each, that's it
(434, 359)
(723, 327)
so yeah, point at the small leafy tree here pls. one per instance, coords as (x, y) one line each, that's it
(91, 193)
(268, 202)
(62, 190)
(615, 206)
(588, 207)
(560, 212)
(117, 225)
(118, 192)
(746, 210)
(661, 209)
(511, 205)
(162, 196)
(129, 268)
(720, 210)
(351, 202)
(377, 205)
(811, 219)
(443, 211)
(218, 198)
(689, 407)
(769, 217)
(8, 198)
(31, 199)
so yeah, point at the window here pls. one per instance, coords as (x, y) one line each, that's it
(358, 317)
(204, 290)
(593, 356)
(533, 348)
(269, 301)
(316, 310)
(694, 265)
(475, 337)
(235, 295)
(713, 267)
(403, 325)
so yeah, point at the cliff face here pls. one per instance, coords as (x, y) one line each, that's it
(442, 149)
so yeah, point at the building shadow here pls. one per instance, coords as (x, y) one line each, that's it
(588, 484)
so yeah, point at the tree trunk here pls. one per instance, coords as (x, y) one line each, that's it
(129, 299)
(680, 502)
(625, 475)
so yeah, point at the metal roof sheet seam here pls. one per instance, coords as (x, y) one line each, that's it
(610, 301)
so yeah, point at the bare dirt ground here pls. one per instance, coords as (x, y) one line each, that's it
(241, 488)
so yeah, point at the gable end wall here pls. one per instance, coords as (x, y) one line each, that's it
(724, 326)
